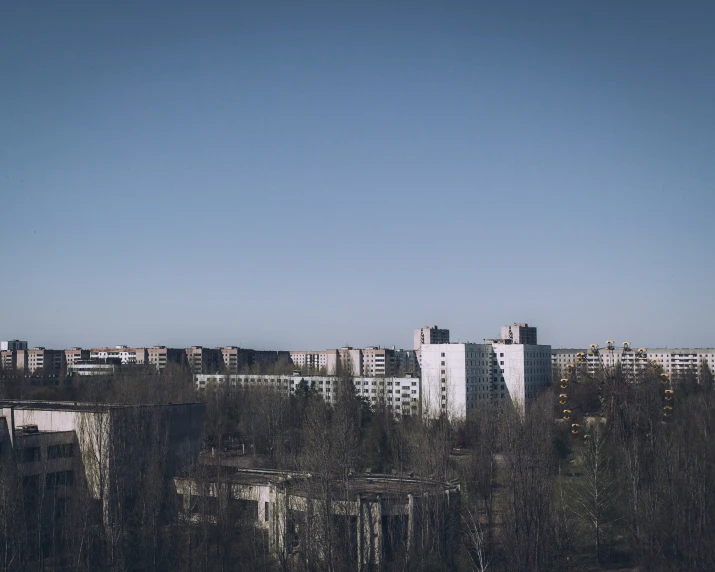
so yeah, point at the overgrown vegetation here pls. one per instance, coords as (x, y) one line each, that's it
(626, 490)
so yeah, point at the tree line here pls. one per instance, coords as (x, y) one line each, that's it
(626, 487)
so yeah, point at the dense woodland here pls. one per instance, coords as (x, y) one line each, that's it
(615, 486)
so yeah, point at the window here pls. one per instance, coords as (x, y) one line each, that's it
(30, 455)
(31, 483)
(59, 478)
(60, 451)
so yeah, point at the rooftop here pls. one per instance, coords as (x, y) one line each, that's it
(77, 406)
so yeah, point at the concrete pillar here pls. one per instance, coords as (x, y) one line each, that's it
(370, 527)
(359, 533)
(278, 526)
(410, 523)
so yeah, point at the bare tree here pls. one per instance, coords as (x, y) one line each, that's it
(596, 491)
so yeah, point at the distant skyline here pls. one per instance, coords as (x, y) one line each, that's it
(299, 175)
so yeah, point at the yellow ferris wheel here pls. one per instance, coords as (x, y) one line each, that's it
(622, 375)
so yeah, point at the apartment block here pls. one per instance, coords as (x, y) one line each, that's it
(677, 362)
(371, 361)
(204, 360)
(398, 394)
(329, 361)
(458, 378)
(13, 345)
(120, 354)
(160, 356)
(49, 361)
(8, 360)
(74, 355)
(311, 361)
(377, 361)
(234, 359)
(519, 334)
(405, 362)
(430, 335)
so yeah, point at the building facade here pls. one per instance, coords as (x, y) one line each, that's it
(120, 354)
(519, 334)
(12, 345)
(389, 518)
(401, 395)
(204, 360)
(160, 356)
(74, 355)
(458, 378)
(430, 335)
(59, 448)
(46, 360)
(676, 362)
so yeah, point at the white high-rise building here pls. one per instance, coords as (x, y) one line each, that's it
(457, 378)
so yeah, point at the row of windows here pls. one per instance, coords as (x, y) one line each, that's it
(34, 454)
(52, 480)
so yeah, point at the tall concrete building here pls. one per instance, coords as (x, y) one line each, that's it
(42, 359)
(519, 334)
(376, 361)
(329, 362)
(204, 360)
(234, 359)
(311, 360)
(160, 356)
(430, 335)
(372, 361)
(120, 354)
(457, 378)
(12, 345)
(8, 360)
(677, 362)
(74, 355)
(405, 362)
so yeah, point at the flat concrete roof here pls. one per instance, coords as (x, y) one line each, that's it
(81, 406)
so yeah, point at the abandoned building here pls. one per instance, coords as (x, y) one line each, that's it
(380, 517)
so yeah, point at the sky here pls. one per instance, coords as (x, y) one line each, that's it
(304, 175)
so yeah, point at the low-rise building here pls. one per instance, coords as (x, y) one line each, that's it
(85, 368)
(59, 448)
(389, 518)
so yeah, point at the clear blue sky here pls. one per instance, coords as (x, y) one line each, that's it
(309, 174)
